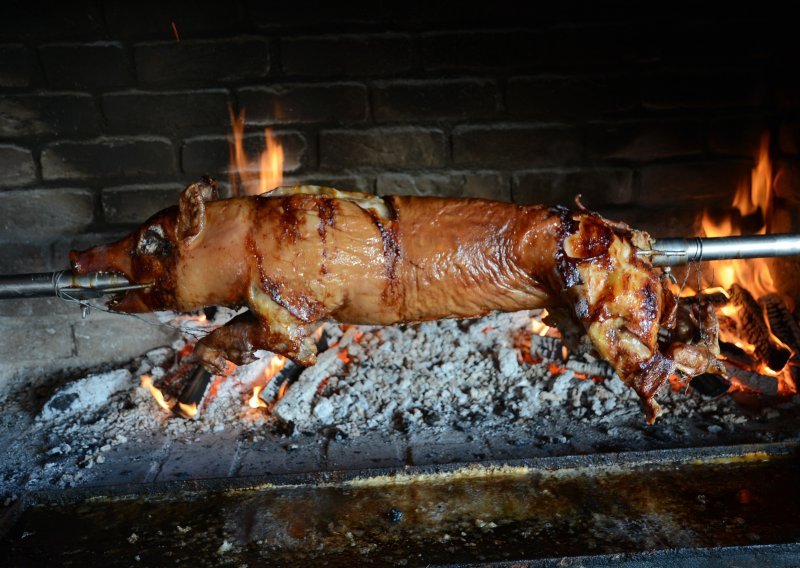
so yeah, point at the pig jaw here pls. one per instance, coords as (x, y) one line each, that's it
(119, 258)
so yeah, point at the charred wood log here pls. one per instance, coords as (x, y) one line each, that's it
(737, 356)
(755, 330)
(547, 348)
(781, 321)
(711, 385)
(762, 383)
(594, 368)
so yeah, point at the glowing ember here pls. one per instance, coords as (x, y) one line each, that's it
(282, 390)
(147, 382)
(538, 326)
(254, 176)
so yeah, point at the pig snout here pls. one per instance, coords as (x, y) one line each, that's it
(115, 257)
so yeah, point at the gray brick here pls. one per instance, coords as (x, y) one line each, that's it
(210, 154)
(86, 66)
(588, 48)
(516, 146)
(153, 19)
(550, 97)
(789, 138)
(598, 187)
(200, 63)
(347, 55)
(23, 340)
(486, 185)
(16, 166)
(42, 19)
(35, 308)
(435, 100)
(709, 183)
(330, 102)
(382, 147)
(15, 66)
(739, 136)
(702, 89)
(135, 203)
(108, 157)
(167, 113)
(19, 258)
(52, 114)
(463, 51)
(44, 213)
(646, 141)
(119, 338)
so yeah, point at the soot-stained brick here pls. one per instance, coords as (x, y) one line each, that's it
(288, 103)
(382, 147)
(100, 65)
(107, 158)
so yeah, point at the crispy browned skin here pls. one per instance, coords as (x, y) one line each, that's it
(298, 256)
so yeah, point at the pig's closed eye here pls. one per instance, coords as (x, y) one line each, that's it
(153, 242)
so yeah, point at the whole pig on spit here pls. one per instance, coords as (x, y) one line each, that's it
(298, 256)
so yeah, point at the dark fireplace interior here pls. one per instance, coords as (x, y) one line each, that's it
(681, 120)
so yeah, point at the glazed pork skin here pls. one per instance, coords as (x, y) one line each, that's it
(301, 255)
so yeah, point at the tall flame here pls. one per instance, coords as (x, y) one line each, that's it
(250, 176)
(752, 201)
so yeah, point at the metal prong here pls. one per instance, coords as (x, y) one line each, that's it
(85, 311)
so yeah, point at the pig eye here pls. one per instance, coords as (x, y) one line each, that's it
(153, 242)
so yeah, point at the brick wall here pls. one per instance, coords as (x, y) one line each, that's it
(104, 115)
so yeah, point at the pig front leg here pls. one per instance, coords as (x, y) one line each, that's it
(240, 338)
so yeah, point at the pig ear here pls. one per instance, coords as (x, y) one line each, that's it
(192, 209)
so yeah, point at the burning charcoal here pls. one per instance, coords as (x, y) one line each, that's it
(192, 394)
(547, 348)
(710, 385)
(590, 369)
(755, 330)
(781, 322)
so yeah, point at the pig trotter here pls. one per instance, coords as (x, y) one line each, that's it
(239, 339)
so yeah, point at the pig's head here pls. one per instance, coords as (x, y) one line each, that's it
(151, 254)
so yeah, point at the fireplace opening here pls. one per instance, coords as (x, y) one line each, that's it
(407, 438)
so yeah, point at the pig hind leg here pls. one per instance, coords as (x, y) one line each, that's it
(239, 339)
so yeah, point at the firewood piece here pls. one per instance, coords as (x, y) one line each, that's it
(756, 331)
(780, 320)
(737, 355)
(710, 384)
(590, 369)
(762, 383)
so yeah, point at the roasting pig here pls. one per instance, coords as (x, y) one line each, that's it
(298, 256)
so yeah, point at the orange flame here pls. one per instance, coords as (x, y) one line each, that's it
(189, 409)
(276, 363)
(147, 382)
(753, 202)
(538, 326)
(253, 176)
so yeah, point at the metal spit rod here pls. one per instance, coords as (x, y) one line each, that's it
(675, 252)
(665, 252)
(63, 284)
